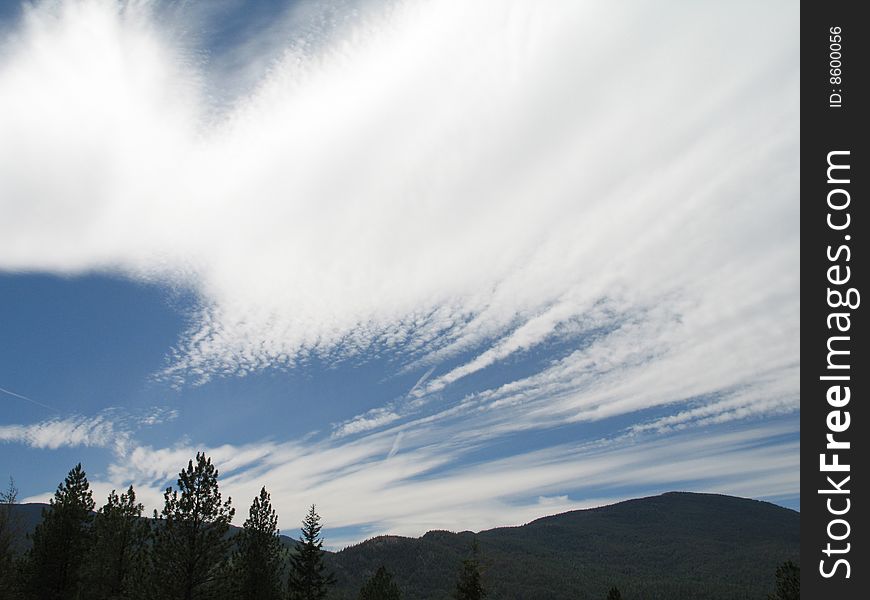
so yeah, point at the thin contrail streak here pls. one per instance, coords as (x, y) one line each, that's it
(5, 391)
(420, 381)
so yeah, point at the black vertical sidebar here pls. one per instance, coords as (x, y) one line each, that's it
(835, 375)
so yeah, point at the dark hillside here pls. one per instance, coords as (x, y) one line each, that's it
(677, 545)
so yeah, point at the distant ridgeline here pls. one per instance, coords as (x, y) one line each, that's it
(677, 545)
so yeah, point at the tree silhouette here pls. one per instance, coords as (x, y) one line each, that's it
(308, 577)
(119, 539)
(614, 594)
(257, 561)
(190, 536)
(9, 531)
(61, 540)
(788, 582)
(468, 585)
(380, 586)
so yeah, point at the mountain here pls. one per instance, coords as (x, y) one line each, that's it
(673, 546)
(677, 545)
(23, 520)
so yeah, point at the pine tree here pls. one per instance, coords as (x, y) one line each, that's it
(468, 585)
(7, 525)
(257, 561)
(380, 587)
(191, 545)
(788, 582)
(9, 532)
(60, 540)
(119, 538)
(308, 578)
(614, 594)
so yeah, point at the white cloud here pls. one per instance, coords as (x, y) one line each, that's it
(158, 415)
(111, 428)
(373, 419)
(99, 431)
(432, 177)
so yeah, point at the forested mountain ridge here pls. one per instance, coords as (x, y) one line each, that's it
(676, 545)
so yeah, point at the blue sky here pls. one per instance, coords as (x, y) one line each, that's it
(427, 265)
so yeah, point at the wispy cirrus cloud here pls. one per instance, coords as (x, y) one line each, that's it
(424, 486)
(372, 419)
(112, 428)
(158, 415)
(98, 431)
(384, 188)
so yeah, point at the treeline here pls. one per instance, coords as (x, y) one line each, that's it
(186, 552)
